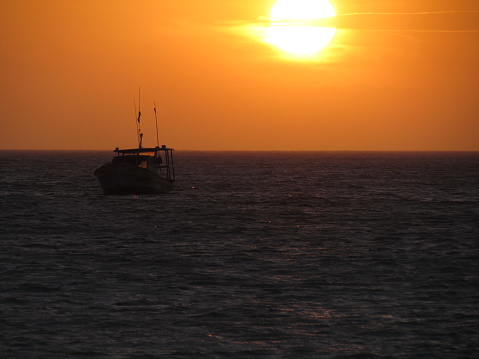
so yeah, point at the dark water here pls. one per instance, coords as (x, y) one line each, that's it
(256, 255)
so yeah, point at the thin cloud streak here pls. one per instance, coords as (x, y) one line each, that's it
(433, 21)
(412, 13)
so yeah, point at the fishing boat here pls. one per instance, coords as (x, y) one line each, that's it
(139, 170)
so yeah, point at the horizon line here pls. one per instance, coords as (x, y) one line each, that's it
(223, 150)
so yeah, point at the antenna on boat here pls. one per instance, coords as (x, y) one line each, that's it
(138, 125)
(136, 119)
(156, 119)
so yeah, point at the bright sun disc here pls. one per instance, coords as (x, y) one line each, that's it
(289, 31)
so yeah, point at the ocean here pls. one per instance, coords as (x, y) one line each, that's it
(252, 255)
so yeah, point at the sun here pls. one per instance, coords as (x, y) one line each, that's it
(291, 29)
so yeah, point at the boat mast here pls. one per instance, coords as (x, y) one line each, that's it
(156, 119)
(138, 125)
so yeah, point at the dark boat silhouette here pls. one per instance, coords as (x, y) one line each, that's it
(139, 170)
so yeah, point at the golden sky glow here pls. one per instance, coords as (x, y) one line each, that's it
(394, 75)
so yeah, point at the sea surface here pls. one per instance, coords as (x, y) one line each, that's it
(253, 255)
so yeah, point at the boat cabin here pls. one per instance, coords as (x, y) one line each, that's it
(154, 159)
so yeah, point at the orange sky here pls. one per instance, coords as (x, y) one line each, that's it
(398, 75)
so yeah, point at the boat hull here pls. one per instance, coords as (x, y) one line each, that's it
(121, 178)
